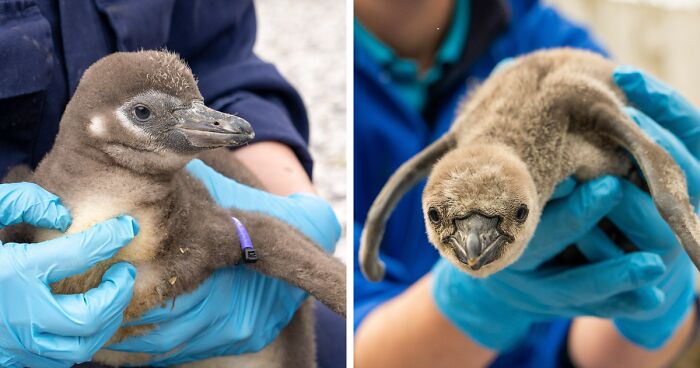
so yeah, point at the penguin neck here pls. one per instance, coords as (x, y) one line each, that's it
(98, 173)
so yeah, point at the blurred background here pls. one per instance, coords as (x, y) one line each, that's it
(659, 36)
(305, 39)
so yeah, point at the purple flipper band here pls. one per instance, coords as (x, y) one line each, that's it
(249, 254)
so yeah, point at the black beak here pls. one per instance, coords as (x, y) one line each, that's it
(477, 240)
(208, 128)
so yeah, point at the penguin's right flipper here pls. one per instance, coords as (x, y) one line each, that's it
(407, 176)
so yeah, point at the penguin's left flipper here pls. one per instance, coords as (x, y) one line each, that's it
(665, 179)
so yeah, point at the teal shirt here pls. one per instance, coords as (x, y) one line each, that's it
(405, 75)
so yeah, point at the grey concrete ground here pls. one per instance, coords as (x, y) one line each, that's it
(306, 40)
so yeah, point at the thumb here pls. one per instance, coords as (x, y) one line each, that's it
(227, 192)
(567, 219)
(324, 227)
(73, 254)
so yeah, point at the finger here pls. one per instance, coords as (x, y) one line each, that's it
(632, 304)
(69, 255)
(661, 136)
(325, 224)
(638, 219)
(176, 308)
(600, 281)
(74, 349)
(166, 337)
(662, 104)
(564, 188)
(634, 327)
(223, 189)
(232, 194)
(597, 247)
(566, 220)
(179, 323)
(30, 203)
(87, 314)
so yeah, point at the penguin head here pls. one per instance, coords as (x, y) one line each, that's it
(144, 109)
(480, 208)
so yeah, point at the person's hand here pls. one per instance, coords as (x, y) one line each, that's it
(41, 329)
(673, 123)
(237, 310)
(497, 311)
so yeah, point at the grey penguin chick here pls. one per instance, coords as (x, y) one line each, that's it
(134, 122)
(540, 119)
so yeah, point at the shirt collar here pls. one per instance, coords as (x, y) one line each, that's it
(404, 69)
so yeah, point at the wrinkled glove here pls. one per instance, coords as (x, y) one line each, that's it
(41, 329)
(237, 310)
(674, 124)
(498, 311)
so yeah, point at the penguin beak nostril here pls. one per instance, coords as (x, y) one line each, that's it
(208, 128)
(476, 240)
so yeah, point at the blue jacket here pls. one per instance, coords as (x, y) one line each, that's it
(46, 45)
(387, 132)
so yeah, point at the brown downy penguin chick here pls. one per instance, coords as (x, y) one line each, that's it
(540, 119)
(134, 122)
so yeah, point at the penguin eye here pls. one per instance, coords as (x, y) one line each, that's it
(521, 213)
(434, 215)
(142, 112)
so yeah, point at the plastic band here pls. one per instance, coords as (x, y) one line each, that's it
(249, 255)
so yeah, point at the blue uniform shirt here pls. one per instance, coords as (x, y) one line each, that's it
(409, 82)
(387, 133)
(46, 45)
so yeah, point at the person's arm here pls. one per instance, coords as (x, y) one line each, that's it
(409, 331)
(277, 167)
(610, 349)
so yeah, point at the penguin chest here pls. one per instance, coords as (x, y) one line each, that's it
(92, 209)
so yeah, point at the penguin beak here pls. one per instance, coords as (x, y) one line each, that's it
(477, 240)
(208, 128)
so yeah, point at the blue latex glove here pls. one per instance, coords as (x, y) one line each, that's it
(498, 311)
(41, 329)
(674, 124)
(237, 310)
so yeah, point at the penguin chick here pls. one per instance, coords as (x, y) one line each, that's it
(134, 122)
(540, 119)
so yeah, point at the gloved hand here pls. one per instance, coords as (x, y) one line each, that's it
(41, 329)
(497, 311)
(673, 123)
(237, 310)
